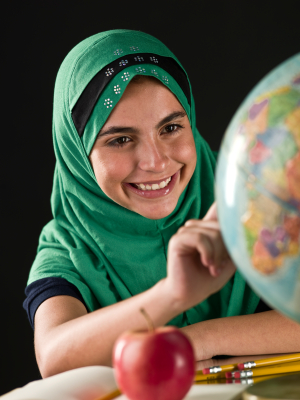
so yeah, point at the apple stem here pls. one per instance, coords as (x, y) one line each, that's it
(148, 319)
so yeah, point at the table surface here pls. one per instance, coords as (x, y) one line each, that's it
(90, 383)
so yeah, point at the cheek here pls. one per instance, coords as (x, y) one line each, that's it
(186, 151)
(110, 168)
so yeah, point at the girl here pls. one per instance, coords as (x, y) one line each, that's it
(132, 194)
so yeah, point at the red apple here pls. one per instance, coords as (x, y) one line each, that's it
(154, 365)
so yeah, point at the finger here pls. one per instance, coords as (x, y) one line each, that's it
(200, 222)
(206, 250)
(212, 213)
(207, 237)
(227, 272)
(214, 238)
(186, 241)
(214, 264)
(214, 271)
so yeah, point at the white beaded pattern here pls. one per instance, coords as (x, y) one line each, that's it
(140, 70)
(123, 63)
(154, 59)
(138, 58)
(117, 89)
(108, 103)
(109, 71)
(126, 76)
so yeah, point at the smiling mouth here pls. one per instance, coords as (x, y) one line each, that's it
(152, 186)
(153, 190)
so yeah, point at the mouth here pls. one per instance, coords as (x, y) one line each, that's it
(154, 185)
(154, 189)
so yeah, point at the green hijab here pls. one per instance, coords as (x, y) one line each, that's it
(108, 252)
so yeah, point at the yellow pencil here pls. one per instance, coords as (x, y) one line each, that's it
(220, 375)
(111, 395)
(217, 369)
(270, 361)
(251, 381)
(251, 364)
(271, 370)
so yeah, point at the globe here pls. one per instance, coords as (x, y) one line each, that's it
(258, 188)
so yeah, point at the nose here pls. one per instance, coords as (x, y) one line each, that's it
(153, 156)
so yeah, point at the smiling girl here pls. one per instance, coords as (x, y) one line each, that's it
(134, 224)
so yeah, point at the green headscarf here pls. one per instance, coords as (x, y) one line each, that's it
(108, 252)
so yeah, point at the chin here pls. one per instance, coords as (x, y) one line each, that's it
(156, 212)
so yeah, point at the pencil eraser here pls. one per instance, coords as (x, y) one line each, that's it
(241, 366)
(237, 374)
(205, 371)
(228, 375)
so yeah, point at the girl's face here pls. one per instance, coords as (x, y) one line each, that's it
(144, 155)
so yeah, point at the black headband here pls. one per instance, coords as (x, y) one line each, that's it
(89, 97)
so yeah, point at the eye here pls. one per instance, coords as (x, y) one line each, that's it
(119, 142)
(172, 128)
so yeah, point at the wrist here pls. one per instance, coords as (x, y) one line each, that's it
(202, 336)
(174, 305)
(180, 296)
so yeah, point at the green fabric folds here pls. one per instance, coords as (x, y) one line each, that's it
(108, 252)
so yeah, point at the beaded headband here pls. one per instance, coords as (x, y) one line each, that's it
(89, 97)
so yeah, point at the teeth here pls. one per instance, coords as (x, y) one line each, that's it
(155, 186)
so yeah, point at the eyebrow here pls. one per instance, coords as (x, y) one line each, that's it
(128, 129)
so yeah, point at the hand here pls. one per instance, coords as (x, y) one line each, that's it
(198, 262)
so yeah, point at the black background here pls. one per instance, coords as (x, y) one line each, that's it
(226, 47)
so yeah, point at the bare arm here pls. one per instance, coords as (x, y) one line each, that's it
(263, 333)
(66, 337)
